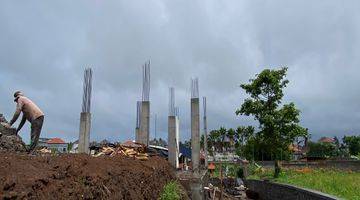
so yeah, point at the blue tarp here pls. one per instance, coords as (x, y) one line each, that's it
(185, 151)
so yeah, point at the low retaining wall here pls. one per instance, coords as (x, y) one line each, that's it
(275, 191)
(353, 165)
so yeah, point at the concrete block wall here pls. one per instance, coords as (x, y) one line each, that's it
(353, 165)
(274, 191)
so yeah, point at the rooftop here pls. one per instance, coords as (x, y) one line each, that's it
(56, 141)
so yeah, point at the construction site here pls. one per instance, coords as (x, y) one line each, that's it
(131, 170)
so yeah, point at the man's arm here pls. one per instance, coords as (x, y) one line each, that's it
(16, 114)
(23, 120)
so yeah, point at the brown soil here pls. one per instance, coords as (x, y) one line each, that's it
(81, 177)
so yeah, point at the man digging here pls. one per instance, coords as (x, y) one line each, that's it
(32, 113)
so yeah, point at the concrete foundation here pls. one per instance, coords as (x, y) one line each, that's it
(194, 183)
(195, 134)
(84, 133)
(173, 141)
(144, 123)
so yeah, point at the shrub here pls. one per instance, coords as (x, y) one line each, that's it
(171, 191)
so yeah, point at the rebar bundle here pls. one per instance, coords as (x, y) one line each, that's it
(171, 101)
(146, 82)
(138, 111)
(194, 88)
(87, 86)
(204, 106)
(177, 111)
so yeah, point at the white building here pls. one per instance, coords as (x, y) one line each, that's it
(54, 144)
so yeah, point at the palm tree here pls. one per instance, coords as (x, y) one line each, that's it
(221, 139)
(231, 136)
(213, 138)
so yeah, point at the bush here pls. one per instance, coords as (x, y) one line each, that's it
(171, 191)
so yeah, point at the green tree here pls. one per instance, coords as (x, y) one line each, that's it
(221, 138)
(278, 124)
(321, 149)
(242, 135)
(230, 134)
(353, 144)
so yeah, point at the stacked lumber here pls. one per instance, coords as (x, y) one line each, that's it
(120, 150)
(44, 151)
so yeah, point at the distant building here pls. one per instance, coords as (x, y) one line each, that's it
(327, 140)
(54, 144)
(297, 151)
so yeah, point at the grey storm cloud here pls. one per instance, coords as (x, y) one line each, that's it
(45, 46)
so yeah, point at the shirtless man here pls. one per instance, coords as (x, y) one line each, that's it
(32, 113)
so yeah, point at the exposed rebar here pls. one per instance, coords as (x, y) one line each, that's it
(171, 101)
(87, 86)
(177, 111)
(146, 81)
(194, 88)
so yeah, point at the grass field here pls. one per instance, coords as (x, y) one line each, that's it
(343, 184)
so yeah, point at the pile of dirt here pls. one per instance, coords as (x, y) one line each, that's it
(11, 143)
(9, 140)
(77, 176)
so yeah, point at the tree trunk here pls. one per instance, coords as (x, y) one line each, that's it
(277, 168)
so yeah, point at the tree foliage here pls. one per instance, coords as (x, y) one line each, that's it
(278, 123)
(321, 149)
(353, 144)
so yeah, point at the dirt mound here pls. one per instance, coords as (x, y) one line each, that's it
(81, 177)
(9, 141)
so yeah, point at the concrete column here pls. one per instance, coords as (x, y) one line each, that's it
(195, 134)
(205, 134)
(84, 133)
(173, 141)
(137, 131)
(144, 123)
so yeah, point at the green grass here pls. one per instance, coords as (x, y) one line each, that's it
(171, 191)
(343, 184)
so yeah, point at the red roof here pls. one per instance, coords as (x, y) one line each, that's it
(327, 140)
(56, 141)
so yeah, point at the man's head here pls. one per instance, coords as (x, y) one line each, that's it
(17, 94)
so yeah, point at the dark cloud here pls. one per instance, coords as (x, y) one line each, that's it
(45, 46)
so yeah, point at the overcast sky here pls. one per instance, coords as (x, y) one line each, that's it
(45, 46)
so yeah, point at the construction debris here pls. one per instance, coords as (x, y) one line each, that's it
(137, 151)
(232, 188)
(44, 151)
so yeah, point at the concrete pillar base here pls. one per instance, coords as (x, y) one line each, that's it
(194, 183)
(195, 134)
(173, 141)
(144, 123)
(84, 133)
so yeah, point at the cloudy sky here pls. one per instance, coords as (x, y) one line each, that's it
(45, 46)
